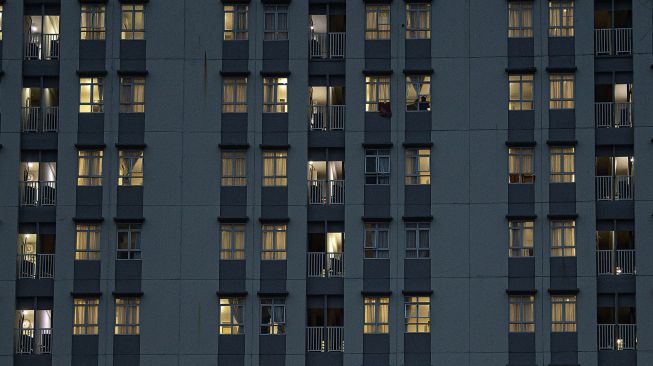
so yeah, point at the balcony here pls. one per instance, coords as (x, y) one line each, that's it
(615, 262)
(613, 115)
(617, 337)
(33, 341)
(325, 339)
(330, 45)
(33, 121)
(35, 266)
(327, 265)
(38, 193)
(614, 188)
(327, 117)
(39, 46)
(326, 192)
(613, 41)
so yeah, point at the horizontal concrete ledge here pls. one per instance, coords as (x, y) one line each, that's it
(129, 219)
(127, 294)
(521, 217)
(418, 71)
(562, 69)
(234, 146)
(521, 292)
(272, 294)
(233, 219)
(521, 143)
(570, 291)
(562, 216)
(274, 219)
(231, 293)
(85, 294)
(417, 218)
(520, 70)
(562, 142)
(88, 219)
(376, 219)
(376, 293)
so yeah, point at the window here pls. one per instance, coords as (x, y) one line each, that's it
(91, 95)
(275, 95)
(418, 166)
(235, 22)
(418, 93)
(128, 319)
(563, 313)
(520, 19)
(276, 23)
(417, 314)
(133, 22)
(232, 242)
(418, 21)
(89, 171)
(92, 23)
(234, 168)
(417, 239)
(85, 319)
(563, 168)
(376, 314)
(520, 165)
(129, 242)
(87, 242)
(131, 168)
(522, 314)
(274, 242)
(1, 12)
(521, 92)
(132, 94)
(273, 316)
(562, 91)
(232, 315)
(563, 238)
(561, 18)
(234, 95)
(376, 240)
(520, 238)
(377, 22)
(377, 93)
(274, 168)
(377, 167)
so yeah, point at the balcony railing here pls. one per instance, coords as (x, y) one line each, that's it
(618, 262)
(617, 336)
(32, 120)
(31, 341)
(325, 339)
(326, 192)
(41, 46)
(331, 117)
(35, 266)
(327, 45)
(38, 193)
(613, 115)
(325, 264)
(613, 41)
(617, 188)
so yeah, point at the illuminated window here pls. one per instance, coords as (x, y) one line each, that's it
(232, 315)
(274, 168)
(563, 168)
(235, 22)
(561, 18)
(91, 95)
(377, 241)
(418, 21)
(520, 19)
(418, 93)
(132, 94)
(520, 165)
(377, 167)
(92, 22)
(133, 22)
(131, 168)
(563, 313)
(417, 239)
(273, 242)
(417, 314)
(1, 13)
(273, 315)
(89, 172)
(128, 321)
(129, 242)
(377, 22)
(520, 238)
(522, 314)
(234, 95)
(376, 314)
(232, 241)
(85, 320)
(562, 91)
(521, 92)
(377, 93)
(276, 23)
(275, 95)
(234, 168)
(418, 166)
(87, 242)
(563, 238)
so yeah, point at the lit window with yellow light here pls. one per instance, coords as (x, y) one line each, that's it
(520, 238)
(232, 315)
(563, 238)
(522, 314)
(561, 91)
(234, 94)
(232, 242)
(128, 316)
(418, 20)
(275, 95)
(561, 18)
(520, 165)
(87, 242)
(417, 314)
(418, 166)
(89, 171)
(418, 93)
(85, 320)
(130, 168)
(377, 93)
(563, 167)
(132, 23)
(92, 25)
(377, 317)
(377, 22)
(520, 19)
(235, 22)
(91, 95)
(275, 168)
(521, 92)
(132, 94)
(273, 241)
(563, 313)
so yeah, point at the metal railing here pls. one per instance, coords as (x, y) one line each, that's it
(615, 188)
(617, 262)
(613, 115)
(613, 41)
(41, 46)
(32, 120)
(327, 45)
(326, 192)
(617, 336)
(320, 264)
(325, 339)
(36, 193)
(31, 341)
(319, 115)
(35, 265)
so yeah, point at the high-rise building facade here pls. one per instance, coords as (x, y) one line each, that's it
(326, 182)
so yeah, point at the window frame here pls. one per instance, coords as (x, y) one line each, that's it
(279, 242)
(522, 83)
(96, 15)
(84, 250)
(134, 249)
(230, 87)
(414, 30)
(566, 246)
(372, 248)
(524, 15)
(376, 29)
(94, 104)
(2, 11)
(419, 174)
(418, 250)
(376, 304)
(374, 86)
(518, 238)
(237, 33)
(566, 307)
(129, 96)
(276, 33)
(418, 105)
(230, 177)
(279, 178)
(561, 25)
(230, 233)
(564, 154)
(132, 325)
(558, 94)
(89, 158)
(274, 326)
(416, 322)
(131, 177)
(236, 307)
(271, 100)
(374, 175)
(133, 32)
(521, 175)
(86, 315)
(521, 324)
